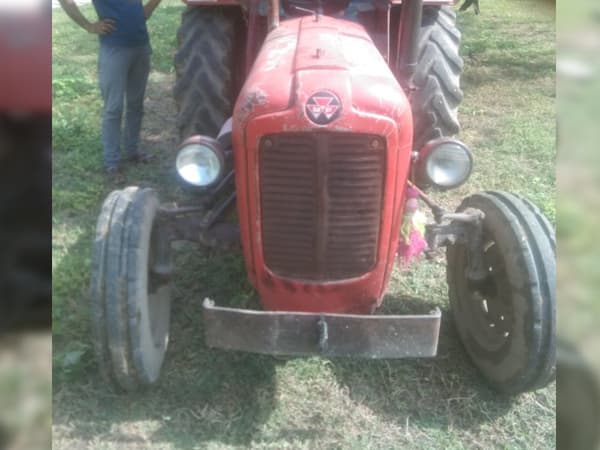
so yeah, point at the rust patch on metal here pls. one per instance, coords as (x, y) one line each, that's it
(253, 98)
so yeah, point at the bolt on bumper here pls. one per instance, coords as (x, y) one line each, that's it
(302, 334)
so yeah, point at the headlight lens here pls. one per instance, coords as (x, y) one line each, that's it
(447, 163)
(199, 164)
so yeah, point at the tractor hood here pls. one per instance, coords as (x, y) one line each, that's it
(331, 58)
(322, 139)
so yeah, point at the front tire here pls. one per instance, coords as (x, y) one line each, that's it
(507, 322)
(130, 305)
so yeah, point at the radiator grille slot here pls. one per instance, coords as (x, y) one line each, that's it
(321, 198)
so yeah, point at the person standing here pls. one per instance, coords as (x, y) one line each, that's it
(123, 68)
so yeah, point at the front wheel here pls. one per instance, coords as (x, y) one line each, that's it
(130, 301)
(507, 321)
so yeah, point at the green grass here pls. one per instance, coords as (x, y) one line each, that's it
(578, 170)
(25, 391)
(215, 399)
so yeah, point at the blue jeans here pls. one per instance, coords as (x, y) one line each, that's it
(122, 75)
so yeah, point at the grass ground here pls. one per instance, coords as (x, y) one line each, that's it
(578, 174)
(214, 399)
(578, 200)
(25, 390)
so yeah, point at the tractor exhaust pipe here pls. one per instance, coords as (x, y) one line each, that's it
(408, 41)
(273, 14)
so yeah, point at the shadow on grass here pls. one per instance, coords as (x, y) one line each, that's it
(443, 392)
(207, 396)
(508, 69)
(203, 394)
(511, 52)
(211, 396)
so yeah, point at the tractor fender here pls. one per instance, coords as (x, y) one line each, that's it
(26, 50)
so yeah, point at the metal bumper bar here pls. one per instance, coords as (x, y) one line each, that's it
(299, 333)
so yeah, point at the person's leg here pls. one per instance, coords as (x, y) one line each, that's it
(137, 79)
(112, 74)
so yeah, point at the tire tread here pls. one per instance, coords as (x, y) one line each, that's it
(113, 303)
(203, 65)
(118, 333)
(538, 247)
(98, 289)
(538, 236)
(437, 77)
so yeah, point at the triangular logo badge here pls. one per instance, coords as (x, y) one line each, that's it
(323, 107)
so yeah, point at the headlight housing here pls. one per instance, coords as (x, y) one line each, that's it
(445, 163)
(200, 161)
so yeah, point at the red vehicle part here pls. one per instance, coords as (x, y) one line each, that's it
(322, 142)
(25, 172)
(26, 51)
(238, 2)
(348, 191)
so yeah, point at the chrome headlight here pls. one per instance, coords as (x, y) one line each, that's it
(200, 161)
(445, 163)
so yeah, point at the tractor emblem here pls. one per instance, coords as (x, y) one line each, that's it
(323, 107)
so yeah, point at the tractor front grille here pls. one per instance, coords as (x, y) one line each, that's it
(321, 197)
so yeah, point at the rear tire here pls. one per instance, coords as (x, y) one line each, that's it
(130, 305)
(437, 77)
(507, 322)
(203, 66)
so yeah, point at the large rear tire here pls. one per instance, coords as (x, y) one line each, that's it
(507, 322)
(437, 77)
(130, 304)
(204, 63)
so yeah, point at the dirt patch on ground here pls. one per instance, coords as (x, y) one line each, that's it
(159, 127)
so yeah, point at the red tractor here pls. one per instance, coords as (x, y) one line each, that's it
(321, 121)
(25, 165)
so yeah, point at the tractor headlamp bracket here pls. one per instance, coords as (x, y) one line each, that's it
(465, 228)
(204, 222)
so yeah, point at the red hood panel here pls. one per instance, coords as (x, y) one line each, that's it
(302, 48)
(26, 51)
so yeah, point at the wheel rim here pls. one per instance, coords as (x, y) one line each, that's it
(157, 295)
(488, 301)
